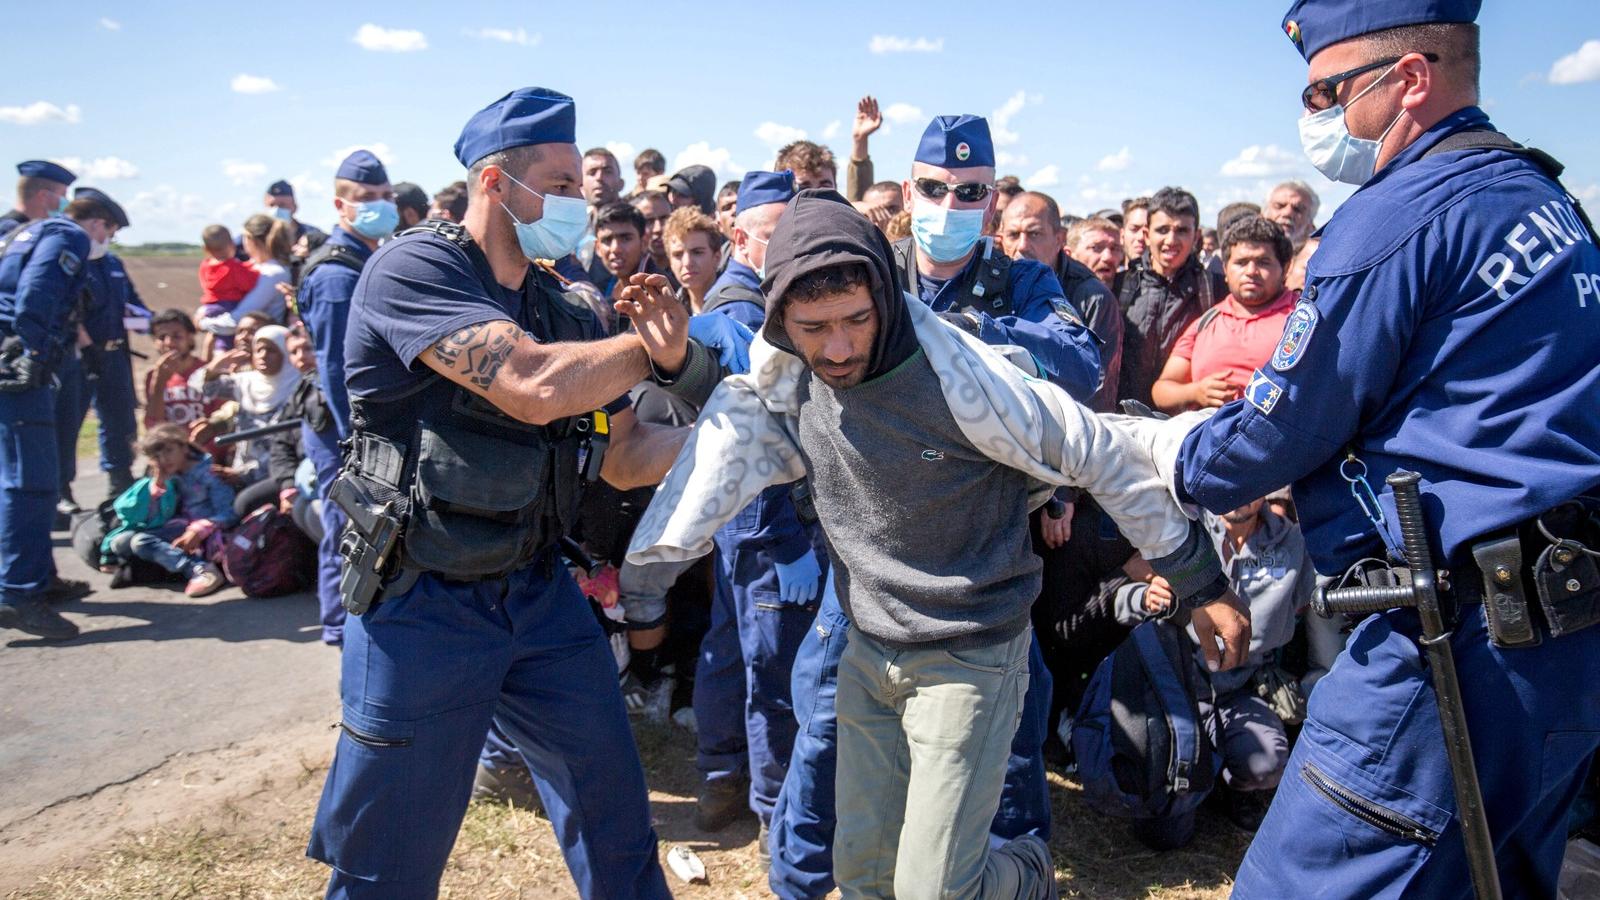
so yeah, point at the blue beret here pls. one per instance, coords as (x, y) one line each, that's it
(39, 168)
(530, 115)
(89, 193)
(955, 142)
(761, 188)
(1316, 24)
(362, 168)
(280, 188)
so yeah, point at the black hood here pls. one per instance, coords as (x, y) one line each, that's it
(820, 229)
(699, 182)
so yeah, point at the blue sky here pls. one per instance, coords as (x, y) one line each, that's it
(186, 112)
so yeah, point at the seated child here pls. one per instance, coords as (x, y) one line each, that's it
(224, 280)
(185, 503)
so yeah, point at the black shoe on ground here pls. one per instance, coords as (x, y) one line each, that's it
(722, 802)
(34, 617)
(510, 785)
(1246, 809)
(65, 590)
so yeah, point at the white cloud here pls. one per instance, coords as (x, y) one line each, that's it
(389, 40)
(1589, 194)
(165, 213)
(380, 150)
(885, 43)
(1263, 161)
(1116, 162)
(110, 24)
(1049, 176)
(702, 153)
(623, 151)
(902, 113)
(1004, 158)
(777, 135)
(1000, 119)
(1581, 65)
(40, 112)
(306, 187)
(518, 36)
(242, 173)
(104, 168)
(832, 129)
(253, 84)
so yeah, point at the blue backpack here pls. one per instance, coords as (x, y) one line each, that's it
(1143, 748)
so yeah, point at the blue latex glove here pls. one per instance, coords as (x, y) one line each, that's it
(729, 339)
(797, 581)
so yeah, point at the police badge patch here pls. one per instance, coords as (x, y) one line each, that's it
(1066, 312)
(1297, 331)
(1262, 392)
(69, 262)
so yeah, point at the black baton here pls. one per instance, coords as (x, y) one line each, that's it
(250, 433)
(1423, 595)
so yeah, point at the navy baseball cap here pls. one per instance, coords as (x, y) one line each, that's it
(362, 168)
(42, 168)
(956, 142)
(118, 216)
(760, 188)
(1316, 24)
(530, 115)
(280, 188)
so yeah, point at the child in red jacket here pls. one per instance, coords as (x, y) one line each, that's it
(224, 279)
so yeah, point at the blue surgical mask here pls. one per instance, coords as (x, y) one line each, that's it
(945, 235)
(375, 219)
(557, 233)
(281, 214)
(1336, 153)
(61, 206)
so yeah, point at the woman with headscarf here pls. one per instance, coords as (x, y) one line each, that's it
(260, 392)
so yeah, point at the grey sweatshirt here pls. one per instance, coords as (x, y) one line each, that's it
(929, 536)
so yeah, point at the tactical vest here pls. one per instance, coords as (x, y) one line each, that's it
(481, 494)
(1487, 139)
(985, 287)
(733, 292)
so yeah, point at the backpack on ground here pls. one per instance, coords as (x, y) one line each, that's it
(1143, 748)
(267, 555)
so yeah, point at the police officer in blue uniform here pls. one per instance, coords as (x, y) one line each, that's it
(41, 191)
(101, 371)
(477, 392)
(768, 577)
(1448, 328)
(1002, 301)
(280, 204)
(367, 214)
(41, 276)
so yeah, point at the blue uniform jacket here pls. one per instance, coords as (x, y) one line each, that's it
(1448, 326)
(111, 292)
(747, 314)
(41, 273)
(1064, 350)
(324, 303)
(769, 522)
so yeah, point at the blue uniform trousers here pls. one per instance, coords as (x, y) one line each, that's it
(1372, 733)
(423, 674)
(28, 485)
(111, 393)
(801, 835)
(744, 717)
(323, 450)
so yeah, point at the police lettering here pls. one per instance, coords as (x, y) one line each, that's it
(1547, 233)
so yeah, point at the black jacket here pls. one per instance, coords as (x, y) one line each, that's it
(1155, 313)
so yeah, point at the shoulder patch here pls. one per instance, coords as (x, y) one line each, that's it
(1066, 312)
(1262, 392)
(69, 262)
(1297, 330)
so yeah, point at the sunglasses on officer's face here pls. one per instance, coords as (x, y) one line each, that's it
(1322, 93)
(966, 191)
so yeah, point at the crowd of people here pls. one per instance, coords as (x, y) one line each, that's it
(305, 370)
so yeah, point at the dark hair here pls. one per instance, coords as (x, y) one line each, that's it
(730, 188)
(827, 282)
(652, 196)
(619, 213)
(1233, 212)
(515, 160)
(1175, 202)
(1257, 230)
(805, 156)
(882, 187)
(215, 237)
(452, 198)
(172, 317)
(410, 196)
(1133, 203)
(1052, 210)
(601, 151)
(86, 208)
(1455, 43)
(1010, 185)
(651, 160)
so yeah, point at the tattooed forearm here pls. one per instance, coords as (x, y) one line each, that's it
(478, 351)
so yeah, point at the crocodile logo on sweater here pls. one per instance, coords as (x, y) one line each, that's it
(932, 455)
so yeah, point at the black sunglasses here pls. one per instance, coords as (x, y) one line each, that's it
(1320, 94)
(966, 191)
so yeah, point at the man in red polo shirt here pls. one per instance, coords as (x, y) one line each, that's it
(1214, 357)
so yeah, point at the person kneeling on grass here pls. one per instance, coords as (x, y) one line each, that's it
(166, 517)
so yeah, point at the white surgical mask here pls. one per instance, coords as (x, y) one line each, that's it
(98, 249)
(1336, 153)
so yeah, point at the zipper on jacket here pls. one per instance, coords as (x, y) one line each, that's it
(1379, 817)
(372, 740)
